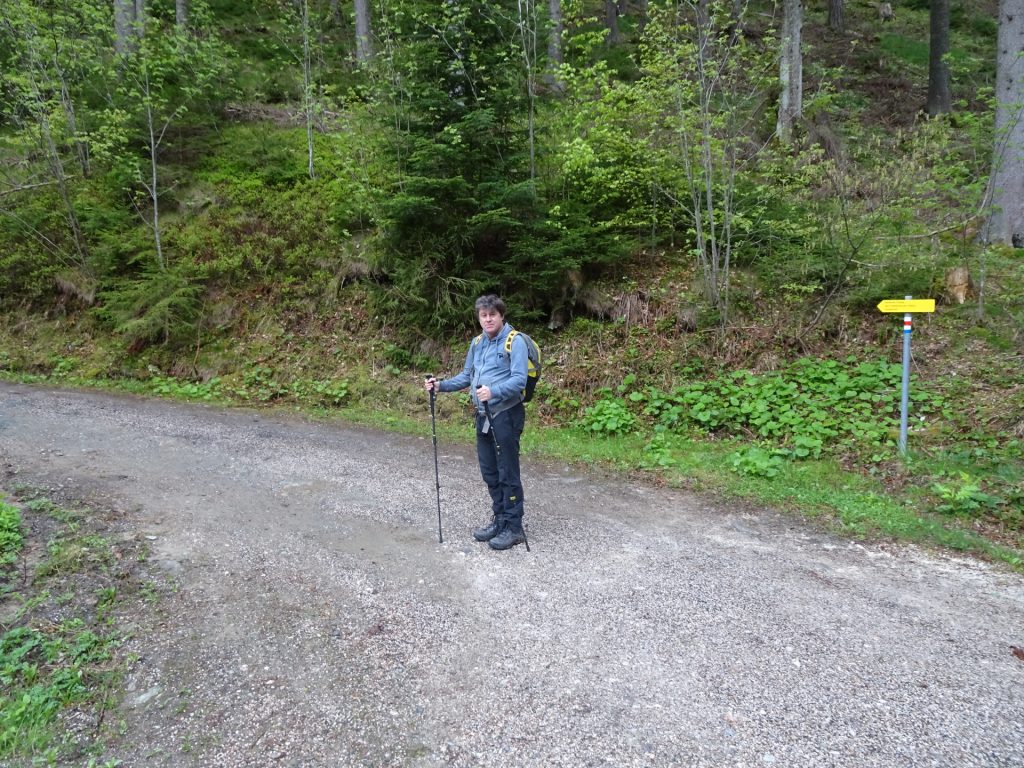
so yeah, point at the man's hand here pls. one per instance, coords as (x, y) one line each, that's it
(430, 384)
(483, 394)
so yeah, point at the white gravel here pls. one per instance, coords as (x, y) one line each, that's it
(318, 621)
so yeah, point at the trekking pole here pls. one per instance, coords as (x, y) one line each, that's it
(437, 476)
(497, 451)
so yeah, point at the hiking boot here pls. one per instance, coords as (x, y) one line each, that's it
(507, 539)
(487, 532)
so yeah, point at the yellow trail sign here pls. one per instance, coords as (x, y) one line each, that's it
(907, 305)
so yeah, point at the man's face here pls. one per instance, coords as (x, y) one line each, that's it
(490, 321)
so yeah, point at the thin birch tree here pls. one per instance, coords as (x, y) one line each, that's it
(364, 40)
(1006, 184)
(790, 70)
(158, 82)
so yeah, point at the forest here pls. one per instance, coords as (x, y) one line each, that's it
(695, 207)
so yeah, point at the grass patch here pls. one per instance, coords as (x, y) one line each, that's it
(11, 539)
(60, 643)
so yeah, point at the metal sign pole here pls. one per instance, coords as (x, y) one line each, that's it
(907, 306)
(905, 395)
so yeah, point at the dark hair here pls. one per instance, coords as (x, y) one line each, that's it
(490, 301)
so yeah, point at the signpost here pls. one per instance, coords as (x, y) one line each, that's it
(908, 305)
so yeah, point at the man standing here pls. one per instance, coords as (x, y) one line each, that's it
(495, 372)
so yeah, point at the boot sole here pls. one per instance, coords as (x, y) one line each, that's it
(483, 536)
(513, 543)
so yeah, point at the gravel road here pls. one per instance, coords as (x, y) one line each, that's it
(318, 621)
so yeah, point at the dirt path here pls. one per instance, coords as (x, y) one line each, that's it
(319, 623)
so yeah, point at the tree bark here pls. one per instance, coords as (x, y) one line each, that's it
(140, 17)
(939, 99)
(124, 15)
(181, 13)
(307, 89)
(836, 19)
(790, 70)
(1006, 184)
(364, 44)
(555, 33)
(642, 13)
(611, 17)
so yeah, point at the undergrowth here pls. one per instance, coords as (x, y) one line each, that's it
(60, 642)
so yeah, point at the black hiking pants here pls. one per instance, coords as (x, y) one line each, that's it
(499, 466)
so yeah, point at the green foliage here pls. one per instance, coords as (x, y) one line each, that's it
(259, 384)
(11, 538)
(963, 496)
(32, 704)
(657, 453)
(608, 416)
(160, 305)
(756, 461)
(44, 672)
(811, 404)
(167, 386)
(326, 393)
(906, 49)
(38, 259)
(58, 652)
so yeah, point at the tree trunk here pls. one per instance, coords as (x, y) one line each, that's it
(181, 13)
(1006, 184)
(40, 92)
(124, 15)
(703, 19)
(528, 36)
(153, 188)
(939, 100)
(140, 17)
(307, 89)
(81, 146)
(364, 45)
(611, 16)
(836, 21)
(555, 31)
(790, 70)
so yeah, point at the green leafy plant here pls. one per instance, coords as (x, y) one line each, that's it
(756, 461)
(11, 538)
(59, 649)
(321, 392)
(42, 673)
(190, 390)
(963, 496)
(608, 416)
(803, 408)
(657, 454)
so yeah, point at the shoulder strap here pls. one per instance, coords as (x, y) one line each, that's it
(478, 339)
(508, 341)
